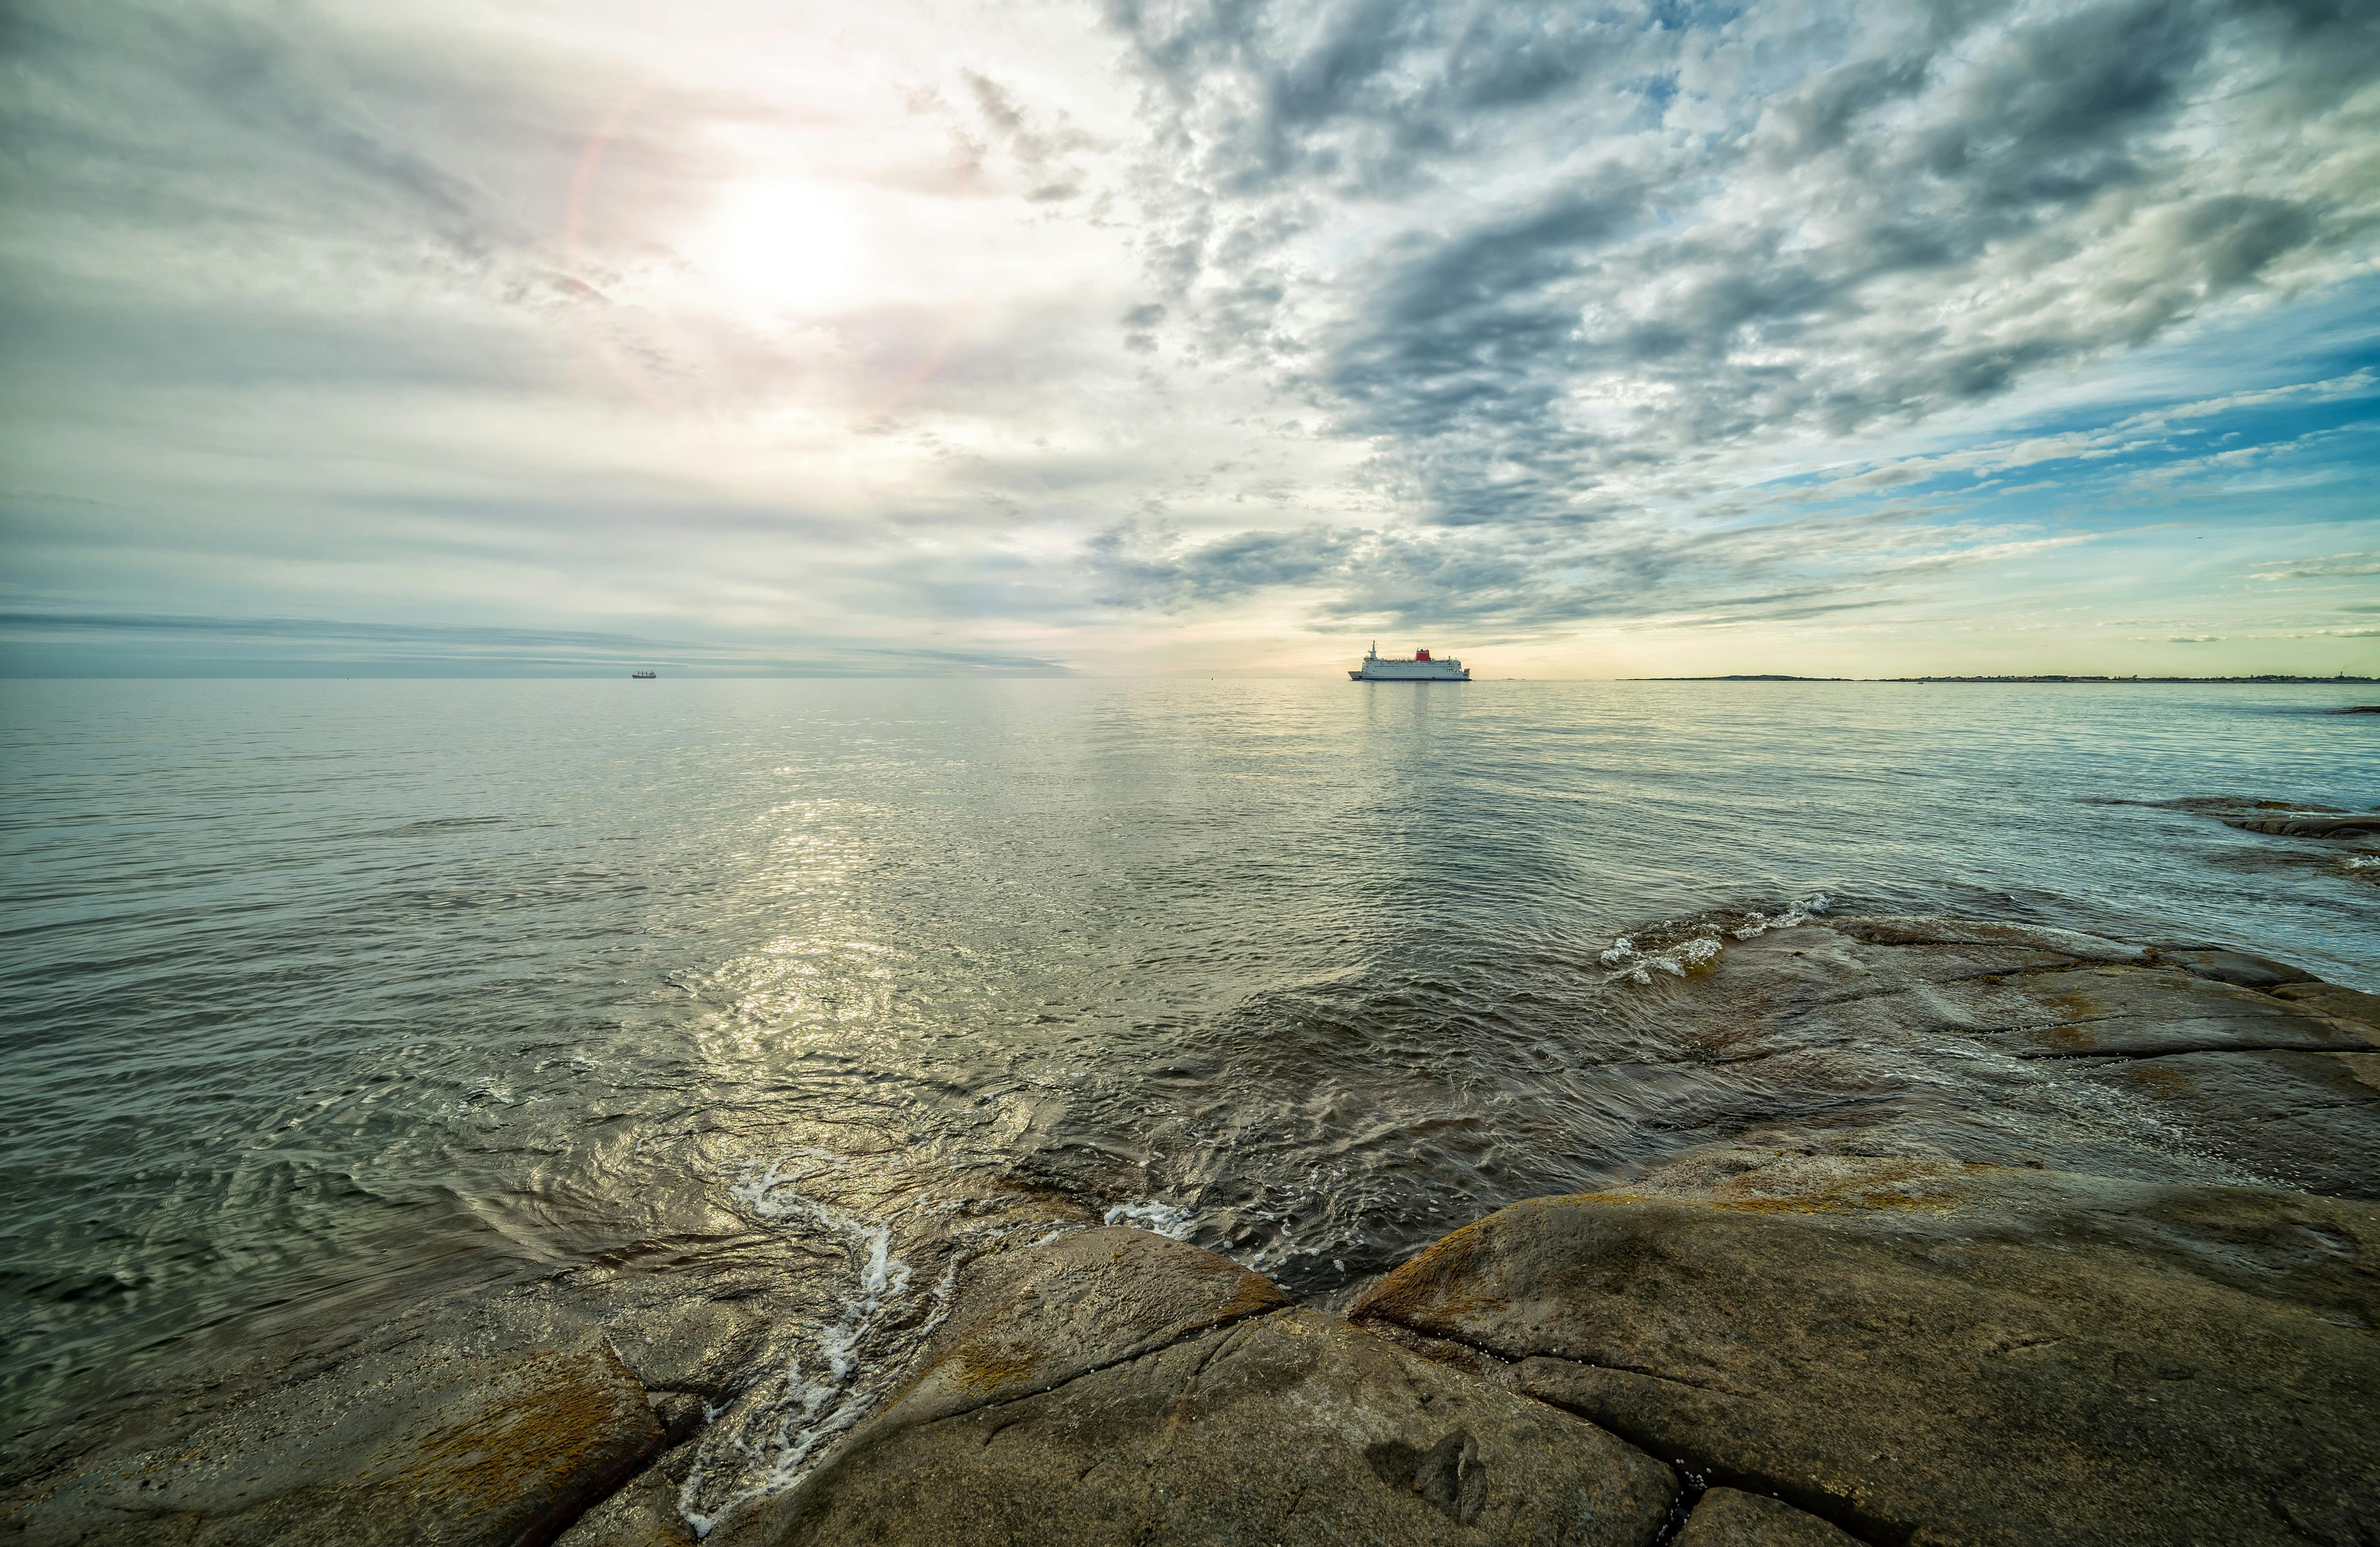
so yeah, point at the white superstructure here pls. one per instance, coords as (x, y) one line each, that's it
(1417, 667)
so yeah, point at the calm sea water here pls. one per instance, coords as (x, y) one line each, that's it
(317, 986)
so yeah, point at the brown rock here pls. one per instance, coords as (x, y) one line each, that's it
(2309, 1120)
(419, 1447)
(1868, 1008)
(1731, 1517)
(1938, 1353)
(2107, 1009)
(1243, 1426)
(643, 1513)
(1036, 1318)
(2360, 1011)
(2234, 967)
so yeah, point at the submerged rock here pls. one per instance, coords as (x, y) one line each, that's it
(2306, 824)
(1066, 1406)
(2233, 967)
(1926, 1351)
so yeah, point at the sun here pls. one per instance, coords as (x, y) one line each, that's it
(783, 242)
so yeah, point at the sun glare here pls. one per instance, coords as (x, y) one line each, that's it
(783, 241)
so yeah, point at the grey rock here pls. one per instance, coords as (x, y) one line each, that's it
(2306, 824)
(415, 1445)
(1260, 1425)
(643, 1513)
(2308, 1120)
(2352, 1010)
(1923, 1351)
(1034, 1318)
(1864, 1009)
(1731, 1517)
(2104, 1009)
(2070, 944)
(2235, 967)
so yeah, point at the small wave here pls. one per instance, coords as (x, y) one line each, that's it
(1681, 948)
(1169, 1220)
(767, 1439)
(815, 1395)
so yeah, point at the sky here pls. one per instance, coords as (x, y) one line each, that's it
(1188, 336)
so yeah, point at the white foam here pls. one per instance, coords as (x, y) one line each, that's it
(1702, 946)
(1169, 1220)
(1627, 961)
(776, 1431)
(818, 1400)
(1799, 913)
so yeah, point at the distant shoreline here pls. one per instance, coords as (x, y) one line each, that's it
(1777, 676)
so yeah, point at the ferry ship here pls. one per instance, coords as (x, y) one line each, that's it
(644, 677)
(1419, 667)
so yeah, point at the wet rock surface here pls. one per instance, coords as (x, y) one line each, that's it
(1731, 1517)
(2324, 838)
(1929, 1351)
(1945, 1311)
(2210, 1064)
(411, 1446)
(2308, 824)
(1252, 1423)
(643, 1513)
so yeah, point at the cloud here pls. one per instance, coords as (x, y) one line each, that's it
(2329, 567)
(1770, 242)
(1512, 317)
(36, 643)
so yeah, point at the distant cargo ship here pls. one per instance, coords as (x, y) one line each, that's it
(1419, 668)
(644, 676)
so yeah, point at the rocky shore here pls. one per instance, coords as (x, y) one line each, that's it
(1842, 1334)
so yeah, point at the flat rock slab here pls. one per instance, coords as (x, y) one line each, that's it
(1278, 1427)
(2308, 1120)
(428, 1448)
(1855, 1019)
(1035, 1319)
(643, 1513)
(1934, 1353)
(2352, 1009)
(1731, 1517)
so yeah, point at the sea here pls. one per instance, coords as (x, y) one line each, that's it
(340, 994)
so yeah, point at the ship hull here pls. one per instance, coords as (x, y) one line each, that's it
(1420, 666)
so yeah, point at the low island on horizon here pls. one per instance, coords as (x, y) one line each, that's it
(2266, 679)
